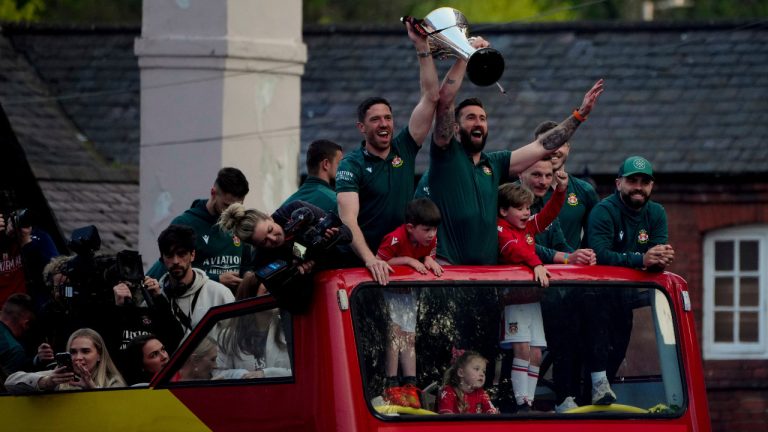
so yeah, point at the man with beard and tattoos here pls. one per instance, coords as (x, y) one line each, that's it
(463, 180)
(189, 290)
(626, 229)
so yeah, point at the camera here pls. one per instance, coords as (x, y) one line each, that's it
(92, 276)
(307, 233)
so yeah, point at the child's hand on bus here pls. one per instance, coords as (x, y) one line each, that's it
(417, 265)
(433, 266)
(541, 275)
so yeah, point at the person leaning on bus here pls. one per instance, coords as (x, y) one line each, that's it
(92, 368)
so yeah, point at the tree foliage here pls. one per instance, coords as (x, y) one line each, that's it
(14, 10)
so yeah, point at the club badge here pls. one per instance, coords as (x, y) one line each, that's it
(236, 241)
(512, 328)
(572, 200)
(397, 162)
(487, 170)
(642, 237)
(529, 239)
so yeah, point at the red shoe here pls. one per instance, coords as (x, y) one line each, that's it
(395, 396)
(411, 395)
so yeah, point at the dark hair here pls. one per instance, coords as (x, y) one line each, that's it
(543, 127)
(17, 304)
(514, 195)
(318, 151)
(369, 102)
(422, 211)
(176, 237)
(232, 181)
(465, 103)
(133, 360)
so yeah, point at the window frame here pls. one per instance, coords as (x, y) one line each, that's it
(713, 350)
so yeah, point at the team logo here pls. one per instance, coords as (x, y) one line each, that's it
(487, 170)
(397, 162)
(529, 239)
(639, 164)
(572, 200)
(235, 241)
(146, 321)
(394, 241)
(642, 237)
(205, 238)
(512, 328)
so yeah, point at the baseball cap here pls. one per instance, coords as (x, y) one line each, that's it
(636, 165)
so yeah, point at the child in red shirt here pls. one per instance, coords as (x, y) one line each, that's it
(414, 244)
(523, 327)
(462, 391)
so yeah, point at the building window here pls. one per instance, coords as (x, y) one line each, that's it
(735, 293)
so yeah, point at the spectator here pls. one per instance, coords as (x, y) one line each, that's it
(37, 250)
(92, 369)
(200, 364)
(222, 257)
(11, 264)
(15, 317)
(625, 229)
(462, 391)
(145, 356)
(189, 290)
(414, 244)
(523, 329)
(375, 181)
(318, 189)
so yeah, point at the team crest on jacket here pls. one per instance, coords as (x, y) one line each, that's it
(397, 162)
(529, 239)
(642, 237)
(236, 241)
(512, 328)
(487, 170)
(572, 200)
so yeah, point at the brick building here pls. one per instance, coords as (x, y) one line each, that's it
(690, 97)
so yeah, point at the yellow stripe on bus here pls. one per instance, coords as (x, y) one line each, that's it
(111, 410)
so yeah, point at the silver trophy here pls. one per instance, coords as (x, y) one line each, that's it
(447, 32)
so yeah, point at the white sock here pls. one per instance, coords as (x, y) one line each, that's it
(533, 379)
(520, 379)
(597, 376)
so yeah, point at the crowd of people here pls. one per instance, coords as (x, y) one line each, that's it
(466, 210)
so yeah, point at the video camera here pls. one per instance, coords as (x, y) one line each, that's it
(91, 276)
(307, 232)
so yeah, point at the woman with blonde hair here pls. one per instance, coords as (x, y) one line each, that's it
(92, 368)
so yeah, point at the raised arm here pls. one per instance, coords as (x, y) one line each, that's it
(445, 121)
(349, 208)
(422, 115)
(548, 142)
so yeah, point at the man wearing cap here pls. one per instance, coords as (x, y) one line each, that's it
(626, 229)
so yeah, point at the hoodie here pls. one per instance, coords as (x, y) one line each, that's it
(192, 304)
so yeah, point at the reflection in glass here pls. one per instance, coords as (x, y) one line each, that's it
(723, 291)
(748, 327)
(723, 326)
(749, 255)
(749, 291)
(723, 255)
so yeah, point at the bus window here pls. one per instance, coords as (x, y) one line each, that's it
(630, 330)
(252, 346)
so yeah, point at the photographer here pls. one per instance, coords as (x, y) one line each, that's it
(288, 244)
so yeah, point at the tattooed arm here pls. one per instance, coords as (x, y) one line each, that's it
(445, 121)
(422, 115)
(546, 143)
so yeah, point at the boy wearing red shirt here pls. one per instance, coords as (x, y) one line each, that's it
(523, 328)
(414, 244)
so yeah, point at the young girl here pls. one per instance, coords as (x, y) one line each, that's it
(462, 391)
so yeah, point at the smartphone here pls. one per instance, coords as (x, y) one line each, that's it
(64, 359)
(271, 269)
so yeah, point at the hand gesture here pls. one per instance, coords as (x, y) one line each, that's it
(583, 257)
(659, 257)
(85, 379)
(152, 286)
(44, 353)
(379, 269)
(541, 275)
(122, 293)
(561, 177)
(591, 98)
(433, 266)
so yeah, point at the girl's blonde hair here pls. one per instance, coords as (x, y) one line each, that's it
(241, 221)
(453, 379)
(106, 374)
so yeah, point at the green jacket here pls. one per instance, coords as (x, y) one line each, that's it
(216, 251)
(316, 192)
(620, 235)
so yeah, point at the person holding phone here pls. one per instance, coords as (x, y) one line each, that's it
(91, 368)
